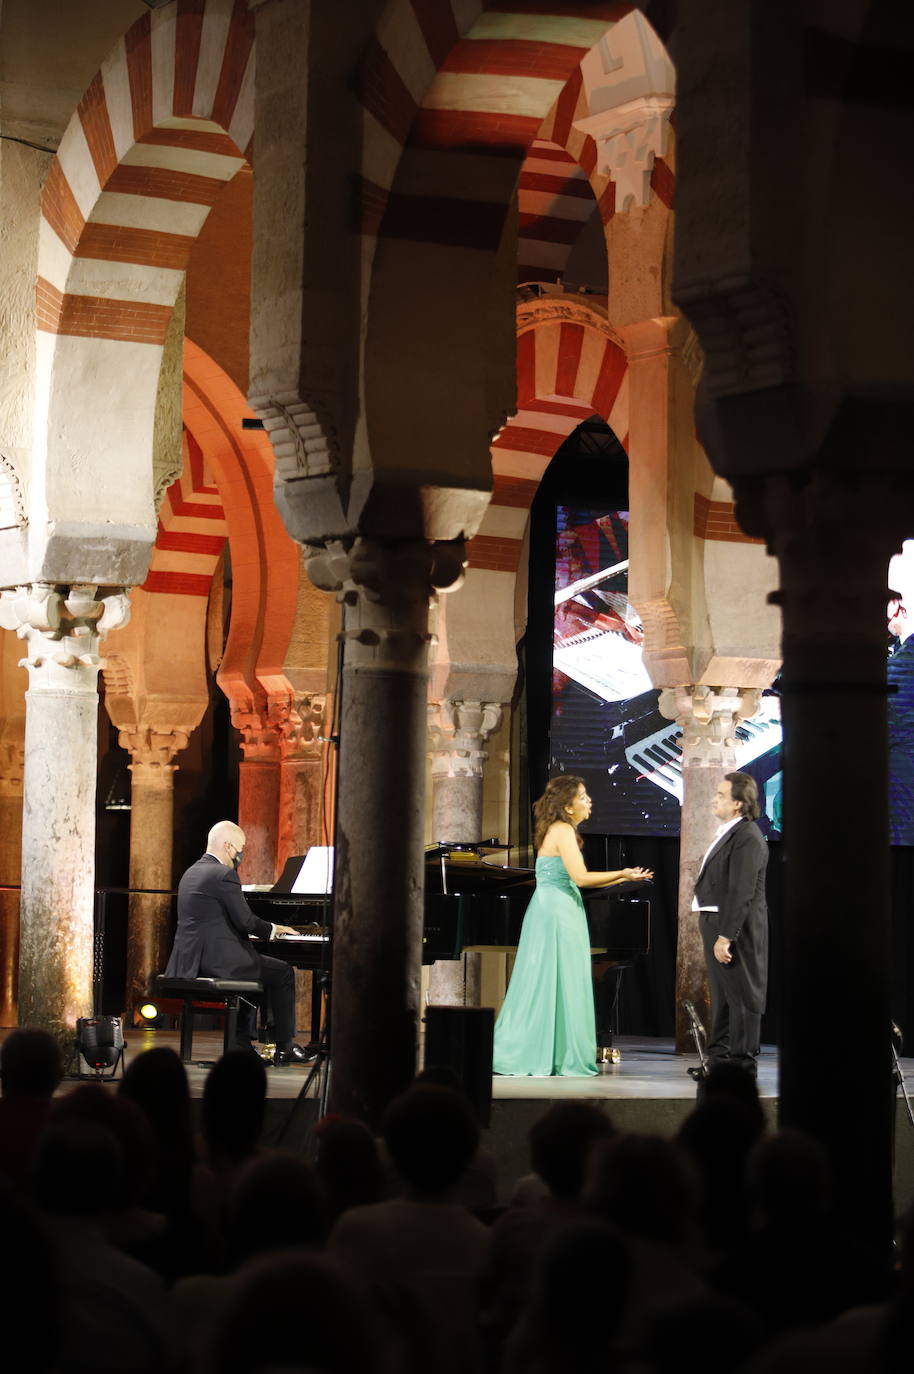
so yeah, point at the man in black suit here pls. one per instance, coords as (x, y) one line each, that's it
(211, 941)
(733, 921)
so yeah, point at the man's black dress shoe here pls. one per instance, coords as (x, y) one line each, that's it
(293, 1055)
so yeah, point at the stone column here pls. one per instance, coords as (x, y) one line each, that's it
(378, 879)
(708, 718)
(151, 842)
(258, 793)
(62, 628)
(833, 538)
(12, 761)
(458, 731)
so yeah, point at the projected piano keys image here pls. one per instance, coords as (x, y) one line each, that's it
(606, 724)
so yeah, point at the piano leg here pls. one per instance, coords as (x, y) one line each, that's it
(607, 992)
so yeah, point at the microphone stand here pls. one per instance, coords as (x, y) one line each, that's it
(697, 1031)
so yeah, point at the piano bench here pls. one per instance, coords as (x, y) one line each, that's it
(201, 995)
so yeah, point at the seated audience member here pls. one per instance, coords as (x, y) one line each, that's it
(711, 1334)
(31, 1284)
(117, 1313)
(717, 1137)
(131, 1225)
(560, 1145)
(234, 1105)
(797, 1267)
(180, 1187)
(577, 1304)
(293, 1312)
(421, 1255)
(31, 1067)
(477, 1188)
(348, 1164)
(642, 1185)
(276, 1205)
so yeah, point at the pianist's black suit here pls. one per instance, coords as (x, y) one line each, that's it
(733, 879)
(211, 941)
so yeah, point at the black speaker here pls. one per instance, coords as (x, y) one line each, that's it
(460, 1038)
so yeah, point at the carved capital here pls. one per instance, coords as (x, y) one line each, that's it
(152, 754)
(458, 731)
(301, 730)
(386, 589)
(631, 90)
(63, 628)
(708, 717)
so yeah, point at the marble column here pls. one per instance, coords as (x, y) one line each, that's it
(12, 762)
(62, 628)
(152, 768)
(458, 731)
(386, 591)
(708, 718)
(258, 793)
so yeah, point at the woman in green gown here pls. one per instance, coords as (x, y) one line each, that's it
(546, 1024)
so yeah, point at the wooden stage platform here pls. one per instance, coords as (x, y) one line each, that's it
(650, 1091)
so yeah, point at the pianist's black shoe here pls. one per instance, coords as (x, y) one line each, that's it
(293, 1054)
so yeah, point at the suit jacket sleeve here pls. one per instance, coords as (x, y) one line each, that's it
(745, 863)
(237, 910)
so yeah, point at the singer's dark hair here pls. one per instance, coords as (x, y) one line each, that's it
(560, 792)
(745, 791)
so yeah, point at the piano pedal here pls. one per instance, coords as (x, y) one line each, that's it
(607, 1055)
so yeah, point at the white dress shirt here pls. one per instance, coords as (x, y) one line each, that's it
(721, 832)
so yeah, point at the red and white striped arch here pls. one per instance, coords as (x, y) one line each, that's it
(265, 560)
(568, 370)
(192, 530)
(165, 123)
(471, 84)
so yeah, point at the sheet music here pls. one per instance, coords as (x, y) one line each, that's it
(315, 876)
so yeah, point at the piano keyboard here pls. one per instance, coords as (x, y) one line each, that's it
(658, 757)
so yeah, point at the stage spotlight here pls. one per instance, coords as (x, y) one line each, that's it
(100, 1041)
(149, 1017)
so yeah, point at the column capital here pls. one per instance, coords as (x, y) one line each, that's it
(630, 85)
(152, 754)
(63, 627)
(300, 730)
(708, 717)
(385, 587)
(458, 730)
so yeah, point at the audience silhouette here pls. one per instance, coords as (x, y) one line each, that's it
(134, 1245)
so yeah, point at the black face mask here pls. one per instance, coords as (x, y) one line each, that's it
(237, 857)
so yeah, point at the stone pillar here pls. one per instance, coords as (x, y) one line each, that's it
(833, 538)
(12, 761)
(458, 731)
(62, 628)
(151, 842)
(708, 718)
(258, 793)
(301, 778)
(378, 878)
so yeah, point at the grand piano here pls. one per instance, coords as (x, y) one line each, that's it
(473, 903)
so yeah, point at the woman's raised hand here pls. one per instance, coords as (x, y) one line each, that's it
(637, 875)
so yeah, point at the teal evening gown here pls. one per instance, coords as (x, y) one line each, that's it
(546, 1025)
